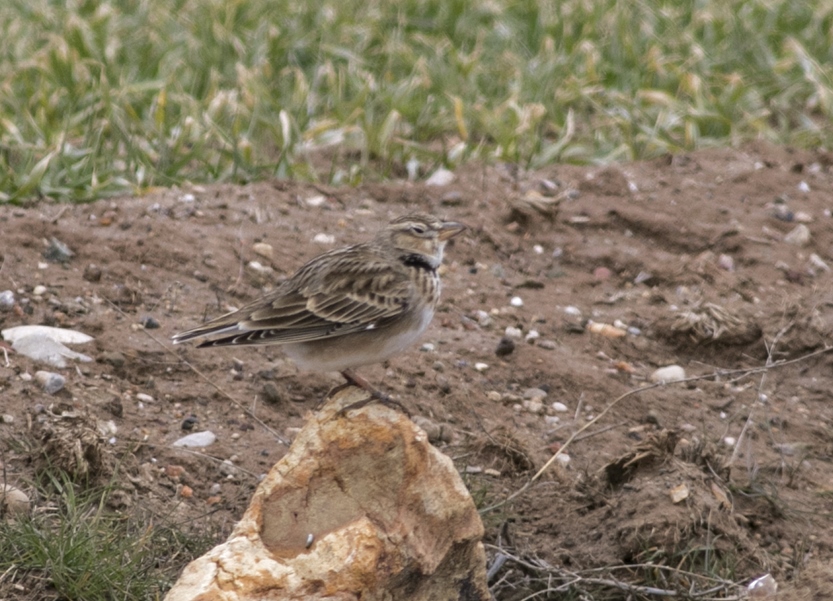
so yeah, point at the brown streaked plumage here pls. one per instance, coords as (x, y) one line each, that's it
(349, 307)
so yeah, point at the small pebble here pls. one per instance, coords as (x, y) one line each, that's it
(512, 332)
(564, 459)
(800, 236)
(427, 347)
(517, 301)
(533, 406)
(535, 393)
(575, 311)
(13, 501)
(188, 423)
(92, 273)
(145, 398)
(149, 323)
(484, 319)
(559, 407)
(729, 441)
(602, 274)
(493, 395)
(505, 346)
(803, 186)
(7, 418)
(547, 344)
(39, 290)
(441, 177)
(57, 252)
(315, 201)
(324, 239)
(271, 393)
(669, 373)
(197, 439)
(114, 358)
(532, 336)
(49, 381)
(263, 249)
(481, 367)
(438, 366)
(538, 249)
(6, 300)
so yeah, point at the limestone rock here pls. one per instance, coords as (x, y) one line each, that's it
(361, 507)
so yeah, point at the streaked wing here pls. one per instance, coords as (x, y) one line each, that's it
(335, 294)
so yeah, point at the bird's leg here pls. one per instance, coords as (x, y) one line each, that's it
(355, 379)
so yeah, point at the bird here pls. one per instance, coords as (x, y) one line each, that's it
(349, 307)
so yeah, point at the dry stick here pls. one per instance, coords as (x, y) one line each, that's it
(222, 391)
(742, 373)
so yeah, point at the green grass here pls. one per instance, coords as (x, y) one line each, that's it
(74, 549)
(101, 98)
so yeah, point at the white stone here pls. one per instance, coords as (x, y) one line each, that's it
(441, 177)
(571, 310)
(61, 335)
(803, 186)
(316, 201)
(800, 236)
(559, 407)
(146, 398)
(512, 332)
(197, 439)
(324, 239)
(535, 393)
(538, 249)
(564, 459)
(517, 301)
(532, 336)
(729, 441)
(669, 373)
(39, 290)
(481, 366)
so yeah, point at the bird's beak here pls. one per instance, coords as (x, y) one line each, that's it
(449, 229)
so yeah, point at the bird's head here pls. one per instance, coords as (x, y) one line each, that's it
(422, 235)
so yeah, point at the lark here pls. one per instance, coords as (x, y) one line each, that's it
(349, 307)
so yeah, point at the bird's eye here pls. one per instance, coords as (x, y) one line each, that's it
(418, 229)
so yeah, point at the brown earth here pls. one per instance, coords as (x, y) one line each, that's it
(688, 256)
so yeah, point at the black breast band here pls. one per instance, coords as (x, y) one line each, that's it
(417, 261)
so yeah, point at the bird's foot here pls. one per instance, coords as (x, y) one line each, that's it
(376, 396)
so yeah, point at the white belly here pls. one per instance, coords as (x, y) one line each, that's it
(355, 350)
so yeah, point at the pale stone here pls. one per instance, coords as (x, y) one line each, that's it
(669, 373)
(361, 507)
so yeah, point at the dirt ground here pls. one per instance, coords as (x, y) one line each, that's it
(717, 261)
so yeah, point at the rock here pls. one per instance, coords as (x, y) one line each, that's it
(516, 301)
(39, 290)
(800, 236)
(441, 177)
(559, 407)
(61, 335)
(263, 249)
(481, 367)
(188, 423)
(114, 358)
(325, 239)
(271, 394)
(535, 393)
(6, 300)
(361, 506)
(49, 381)
(57, 252)
(532, 336)
(7, 418)
(764, 587)
(197, 439)
(46, 350)
(669, 373)
(513, 332)
(13, 501)
(92, 273)
(547, 344)
(505, 346)
(149, 323)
